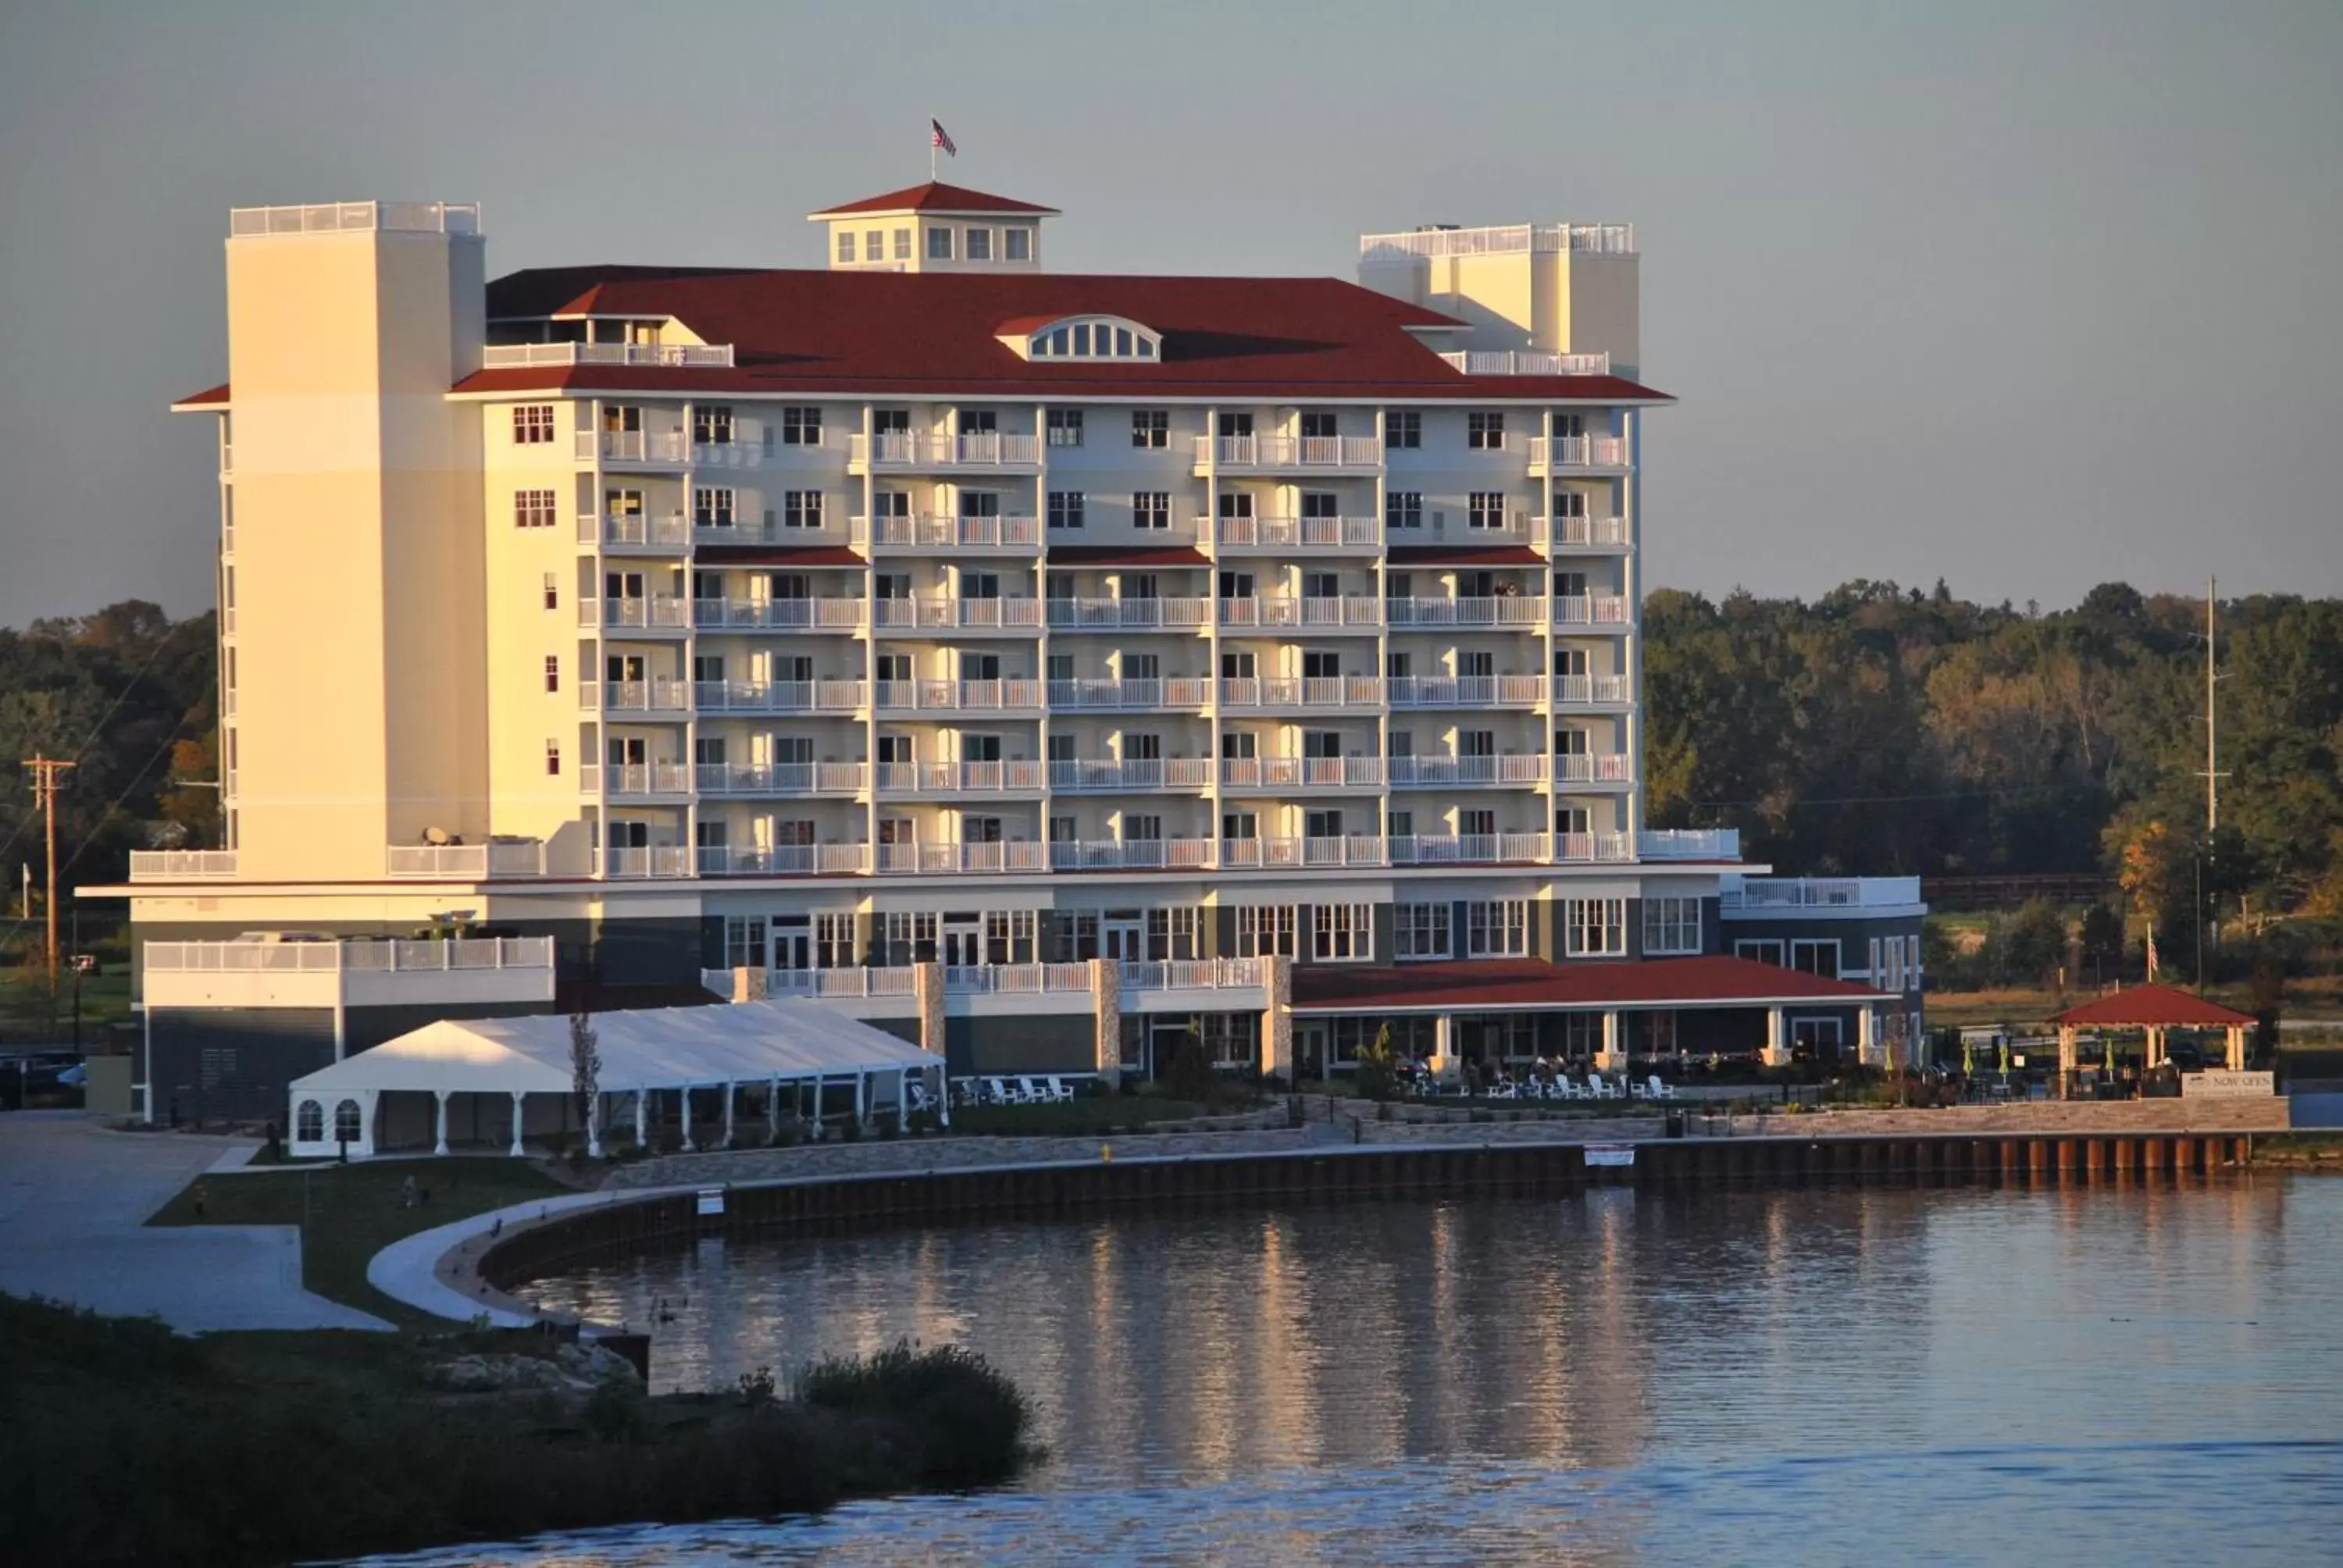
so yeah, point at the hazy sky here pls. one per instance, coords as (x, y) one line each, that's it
(2026, 295)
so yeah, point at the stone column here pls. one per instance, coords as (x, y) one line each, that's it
(1444, 1046)
(750, 983)
(2067, 1064)
(594, 1125)
(2236, 1048)
(1106, 1021)
(642, 1120)
(928, 992)
(731, 1092)
(683, 1102)
(1778, 1039)
(1613, 1057)
(903, 1100)
(1866, 1036)
(1277, 1018)
(439, 1121)
(517, 1097)
(772, 1109)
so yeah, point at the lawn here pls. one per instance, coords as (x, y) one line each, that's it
(24, 1004)
(2307, 997)
(348, 1214)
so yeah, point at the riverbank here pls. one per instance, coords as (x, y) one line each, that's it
(122, 1442)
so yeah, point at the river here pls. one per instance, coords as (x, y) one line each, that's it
(2140, 1373)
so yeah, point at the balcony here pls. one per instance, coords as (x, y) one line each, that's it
(654, 860)
(654, 449)
(907, 451)
(1594, 768)
(1788, 895)
(930, 532)
(467, 862)
(860, 983)
(1588, 533)
(834, 614)
(1606, 611)
(961, 778)
(781, 777)
(1357, 612)
(1282, 773)
(959, 695)
(1577, 455)
(1585, 238)
(1467, 691)
(636, 780)
(659, 612)
(1603, 848)
(670, 696)
(1180, 691)
(335, 974)
(1129, 614)
(338, 217)
(755, 454)
(762, 861)
(945, 613)
(1132, 854)
(1527, 768)
(1107, 775)
(1472, 848)
(1515, 362)
(1524, 610)
(1590, 690)
(758, 531)
(181, 865)
(662, 356)
(957, 859)
(1689, 844)
(1267, 854)
(670, 534)
(1316, 692)
(1283, 534)
(1326, 454)
(839, 697)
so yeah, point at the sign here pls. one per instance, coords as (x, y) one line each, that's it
(711, 1201)
(1610, 1154)
(2217, 1083)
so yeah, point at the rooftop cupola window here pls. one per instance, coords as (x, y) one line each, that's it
(1079, 339)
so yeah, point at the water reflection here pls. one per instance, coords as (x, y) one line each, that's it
(1614, 1373)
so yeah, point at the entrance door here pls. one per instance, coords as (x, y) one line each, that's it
(963, 940)
(1164, 1037)
(1124, 938)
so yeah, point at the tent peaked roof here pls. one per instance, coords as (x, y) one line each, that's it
(2152, 1007)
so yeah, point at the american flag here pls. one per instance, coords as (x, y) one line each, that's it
(941, 138)
(2151, 951)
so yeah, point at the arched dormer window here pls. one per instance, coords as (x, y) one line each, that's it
(1084, 339)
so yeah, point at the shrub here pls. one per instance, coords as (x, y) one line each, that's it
(965, 1420)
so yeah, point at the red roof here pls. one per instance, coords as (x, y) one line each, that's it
(2152, 1007)
(1477, 985)
(936, 196)
(209, 398)
(920, 334)
(778, 555)
(1126, 555)
(1465, 556)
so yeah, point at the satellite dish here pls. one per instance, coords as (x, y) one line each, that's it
(435, 836)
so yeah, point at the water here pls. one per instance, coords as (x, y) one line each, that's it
(2141, 1374)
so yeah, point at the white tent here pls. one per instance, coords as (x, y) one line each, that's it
(522, 1068)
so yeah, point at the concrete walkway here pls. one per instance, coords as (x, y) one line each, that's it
(74, 1200)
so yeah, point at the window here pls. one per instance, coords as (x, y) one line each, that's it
(1819, 955)
(1091, 339)
(1151, 509)
(533, 424)
(801, 427)
(1017, 244)
(902, 244)
(800, 508)
(532, 508)
(846, 245)
(909, 938)
(1141, 828)
(309, 1122)
(1476, 823)
(979, 244)
(1065, 511)
(1497, 928)
(1317, 427)
(1065, 426)
(1595, 927)
(712, 424)
(552, 672)
(833, 942)
(1488, 509)
(711, 506)
(744, 941)
(1759, 949)
(349, 1127)
(1569, 503)
(552, 592)
(939, 246)
(1263, 929)
(1403, 431)
(874, 244)
(553, 758)
(1151, 428)
(1420, 930)
(1404, 509)
(1484, 432)
(1671, 926)
(1342, 932)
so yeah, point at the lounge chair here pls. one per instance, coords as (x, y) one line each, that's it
(1658, 1090)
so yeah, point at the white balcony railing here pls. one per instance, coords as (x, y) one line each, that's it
(1303, 691)
(181, 865)
(1129, 614)
(1588, 533)
(1188, 974)
(467, 862)
(1297, 533)
(1589, 609)
(669, 355)
(1302, 772)
(932, 532)
(1467, 691)
(941, 612)
(1178, 691)
(1513, 609)
(1582, 239)
(1362, 611)
(834, 614)
(334, 217)
(372, 957)
(672, 531)
(1818, 893)
(781, 777)
(636, 779)
(1470, 848)
(844, 697)
(1108, 775)
(1515, 362)
(664, 446)
(1130, 855)
(1589, 690)
(959, 696)
(960, 778)
(1591, 768)
(975, 449)
(954, 860)
(659, 612)
(1289, 451)
(770, 861)
(640, 696)
(1559, 452)
(1456, 772)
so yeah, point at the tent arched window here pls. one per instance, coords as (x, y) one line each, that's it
(349, 1126)
(308, 1122)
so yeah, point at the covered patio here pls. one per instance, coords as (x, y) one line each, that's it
(2155, 1010)
(486, 1082)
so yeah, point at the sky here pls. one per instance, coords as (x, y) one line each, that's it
(2025, 297)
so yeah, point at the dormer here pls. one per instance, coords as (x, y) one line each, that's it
(935, 227)
(1080, 339)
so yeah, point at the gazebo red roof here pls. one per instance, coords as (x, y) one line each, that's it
(2152, 1007)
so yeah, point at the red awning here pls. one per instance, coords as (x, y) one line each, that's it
(2152, 1007)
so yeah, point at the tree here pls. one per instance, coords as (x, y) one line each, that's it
(586, 1077)
(1377, 1078)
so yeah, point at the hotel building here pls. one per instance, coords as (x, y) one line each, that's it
(1041, 665)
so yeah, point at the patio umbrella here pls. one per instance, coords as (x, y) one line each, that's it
(1968, 1059)
(2005, 1058)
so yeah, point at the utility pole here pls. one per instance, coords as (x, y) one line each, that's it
(2212, 730)
(45, 789)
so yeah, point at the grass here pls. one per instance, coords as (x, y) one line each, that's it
(2311, 996)
(121, 1444)
(348, 1214)
(24, 1004)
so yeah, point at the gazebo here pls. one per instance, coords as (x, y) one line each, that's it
(2154, 1009)
(512, 1077)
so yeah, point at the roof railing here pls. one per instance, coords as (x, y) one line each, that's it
(684, 356)
(1513, 362)
(1579, 238)
(343, 216)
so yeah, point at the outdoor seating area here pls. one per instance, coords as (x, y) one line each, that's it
(1054, 1089)
(1549, 1083)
